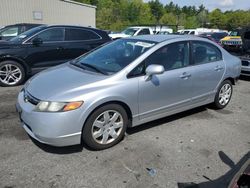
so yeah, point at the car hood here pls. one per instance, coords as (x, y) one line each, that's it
(63, 82)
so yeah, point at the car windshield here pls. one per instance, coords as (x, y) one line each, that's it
(114, 56)
(27, 34)
(130, 31)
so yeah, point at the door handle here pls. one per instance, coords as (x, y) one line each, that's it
(185, 75)
(218, 68)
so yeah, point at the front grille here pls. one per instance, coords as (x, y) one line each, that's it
(232, 42)
(29, 98)
(244, 63)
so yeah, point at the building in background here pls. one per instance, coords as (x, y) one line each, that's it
(47, 12)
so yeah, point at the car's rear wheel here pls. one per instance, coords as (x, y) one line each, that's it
(105, 127)
(223, 95)
(11, 73)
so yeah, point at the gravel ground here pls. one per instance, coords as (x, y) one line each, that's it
(202, 146)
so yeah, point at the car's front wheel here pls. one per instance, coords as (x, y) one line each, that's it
(223, 95)
(105, 127)
(11, 73)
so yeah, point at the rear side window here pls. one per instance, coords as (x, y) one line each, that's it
(80, 34)
(204, 52)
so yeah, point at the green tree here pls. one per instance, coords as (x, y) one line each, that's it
(157, 9)
(217, 19)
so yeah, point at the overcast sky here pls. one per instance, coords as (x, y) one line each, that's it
(212, 4)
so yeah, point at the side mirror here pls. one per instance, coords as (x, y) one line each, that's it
(154, 69)
(37, 41)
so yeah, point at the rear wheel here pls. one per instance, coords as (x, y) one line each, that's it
(105, 127)
(223, 95)
(11, 73)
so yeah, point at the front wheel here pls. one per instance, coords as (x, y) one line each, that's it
(105, 127)
(11, 73)
(223, 95)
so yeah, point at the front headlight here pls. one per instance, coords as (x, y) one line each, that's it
(45, 106)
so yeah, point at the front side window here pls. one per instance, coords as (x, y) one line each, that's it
(204, 52)
(171, 56)
(80, 34)
(51, 35)
(114, 56)
(144, 32)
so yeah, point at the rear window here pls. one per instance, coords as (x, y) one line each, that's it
(80, 34)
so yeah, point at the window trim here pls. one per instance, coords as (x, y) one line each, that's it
(64, 29)
(192, 54)
(45, 42)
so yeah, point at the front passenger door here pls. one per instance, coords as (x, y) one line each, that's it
(171, 90)
(50, 51)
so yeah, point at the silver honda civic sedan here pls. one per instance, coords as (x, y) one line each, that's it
(94, 98)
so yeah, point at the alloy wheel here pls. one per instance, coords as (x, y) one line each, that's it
(225, 94)
(107, 127)
(10, 74)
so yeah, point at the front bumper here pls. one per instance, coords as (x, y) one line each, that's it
(56, 129)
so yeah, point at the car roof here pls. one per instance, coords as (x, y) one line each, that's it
(22, 24)
(75, 26)
(161, 38)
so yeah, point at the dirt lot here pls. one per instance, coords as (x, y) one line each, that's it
(202, 146)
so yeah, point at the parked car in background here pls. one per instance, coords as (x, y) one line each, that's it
(95, 97)
(11, 31)
(238, 44)
(214, 36)
(45, 46)
(140, 30)
(200, 31)
(163, 33)
(233, 41)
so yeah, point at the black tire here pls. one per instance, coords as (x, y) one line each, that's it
(217, 104)
(14, 66)
(87, 136)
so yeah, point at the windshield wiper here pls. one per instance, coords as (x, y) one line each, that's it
(95, 68)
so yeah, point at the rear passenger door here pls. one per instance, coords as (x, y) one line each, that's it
(208, 69)
(79, 41)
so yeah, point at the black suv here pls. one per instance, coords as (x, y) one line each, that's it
(10, 31)
(45, 46)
